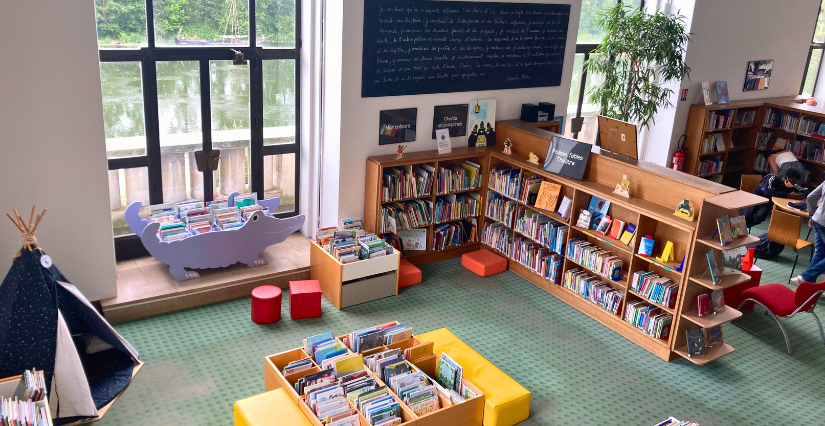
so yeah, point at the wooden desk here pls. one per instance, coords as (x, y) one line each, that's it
(782, 204)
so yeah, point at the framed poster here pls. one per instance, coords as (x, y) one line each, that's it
(482, 123)
(758, 75)
(451, 117)
(397, 126)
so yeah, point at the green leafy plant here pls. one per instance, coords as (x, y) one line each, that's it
(639, 53)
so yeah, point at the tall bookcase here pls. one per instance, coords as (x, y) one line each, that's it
(754, 141)
(374, 201)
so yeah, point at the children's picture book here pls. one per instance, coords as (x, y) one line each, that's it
(731, 261)
(564, 207)
(723, 229)
(646, 246)
(598, 208)
(616, 229)
(695, 342)
(738, 228)
(722, 95)
(548, 196)
(627, 236)
(706, 92)
(604, 225)
(482, 123)
(717, 300)
(713, 268)
(713, 335)
(584, 219)
(413, 239)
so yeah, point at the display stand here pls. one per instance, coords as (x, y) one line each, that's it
(349, 284)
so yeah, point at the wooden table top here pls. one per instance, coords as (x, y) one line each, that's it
(782, 204)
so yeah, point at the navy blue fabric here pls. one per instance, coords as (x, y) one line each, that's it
(80, 318)
(108, 372)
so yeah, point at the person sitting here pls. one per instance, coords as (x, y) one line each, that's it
(783, 186)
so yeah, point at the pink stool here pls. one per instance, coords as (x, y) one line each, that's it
(266, 304)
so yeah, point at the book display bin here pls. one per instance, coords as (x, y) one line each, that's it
(9, 385)
(468, 413)
(655, 192)
(353, 283)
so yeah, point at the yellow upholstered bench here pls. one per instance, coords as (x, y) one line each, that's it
(274, 408)
(507, 402)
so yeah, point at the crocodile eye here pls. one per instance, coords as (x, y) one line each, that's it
(254, 217)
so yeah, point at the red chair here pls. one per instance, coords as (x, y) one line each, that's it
(780, 301)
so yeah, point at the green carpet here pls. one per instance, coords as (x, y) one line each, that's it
(199, 361)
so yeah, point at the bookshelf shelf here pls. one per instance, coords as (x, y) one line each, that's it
(605, 240)
(727, 315)
(460, 192)
(737, 243)
(666, 266)
(657, 304)
(725, 282)
(407, 199)
(711, 353)
(456, 220)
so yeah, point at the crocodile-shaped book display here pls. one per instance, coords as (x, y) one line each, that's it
(215, 249)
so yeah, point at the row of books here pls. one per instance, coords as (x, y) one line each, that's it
(808, 126)
(459, 178)
(497, 236)
(710, 166)
(650, 319)
(23, 412)
(765, 139)
(530, 186)
(596, 259)
(698, 339)
(406, 215)
(775, 118)
(501, 209)
(713, 142)
(540, 228)
(188, 218)
(655, 288)
(505, 181)
(407, 181)
(538, 259)
(719, 119)
(745, 117)
(593, 289)
(760, 163)
(453, 207)
(799, 148)
(454, 234)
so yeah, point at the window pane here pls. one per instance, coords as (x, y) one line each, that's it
(121, 24)
(198, 23)
(125, 187)
(575, 85)
(279, 180)
(122, 89)
(279, 102)
(275, 23)
(589, 31)
(179, 117)
(819, 32)
(810, 76)
(229, 90)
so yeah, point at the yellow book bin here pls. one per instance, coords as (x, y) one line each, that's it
(274, 408)
(507, 402)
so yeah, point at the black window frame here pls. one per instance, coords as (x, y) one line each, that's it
(129, 246)
(813, 47)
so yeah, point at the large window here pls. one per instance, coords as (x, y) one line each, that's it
(815, 52)
(172, 90)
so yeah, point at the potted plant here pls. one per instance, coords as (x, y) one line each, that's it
(639, 53)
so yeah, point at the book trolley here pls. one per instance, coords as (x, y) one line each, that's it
(467, 413)
(655, 193)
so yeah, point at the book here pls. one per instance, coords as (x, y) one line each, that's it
(723, 230)
(717, 300)
(597, 208)
(731, 261)
(584, 219)
(713, 268)
(548, 196)
(706, 92)
(738, 227)
(713, 335)
(564, 207)
(703, 306)
(722, 92)
(616, 229)
(627, 235)
(695, 342)
(413, 239)
(604, 225)
(646, 246)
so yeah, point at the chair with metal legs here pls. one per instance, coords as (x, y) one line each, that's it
(784, 229)
(780, 301)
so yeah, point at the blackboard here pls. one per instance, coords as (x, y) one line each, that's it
(415, 47)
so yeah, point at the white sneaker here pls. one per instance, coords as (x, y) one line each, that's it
(797, 280)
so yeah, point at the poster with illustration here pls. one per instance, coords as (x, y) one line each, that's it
(758, 75)
(482, 123)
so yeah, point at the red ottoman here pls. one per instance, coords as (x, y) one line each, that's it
(484, 263)
(408, 274)
(266, 304)
(304, 299)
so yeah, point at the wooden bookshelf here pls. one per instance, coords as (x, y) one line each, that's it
(742, 157)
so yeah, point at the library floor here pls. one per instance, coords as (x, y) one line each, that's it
(199, 361)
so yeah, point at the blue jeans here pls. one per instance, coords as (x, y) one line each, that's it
(817, 266)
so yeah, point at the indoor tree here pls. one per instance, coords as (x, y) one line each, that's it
(639, 53)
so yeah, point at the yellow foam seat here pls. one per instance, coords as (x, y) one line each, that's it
(506, 401)
(274, 408)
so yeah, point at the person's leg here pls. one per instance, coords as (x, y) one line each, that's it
(817, 266)
(758, 215)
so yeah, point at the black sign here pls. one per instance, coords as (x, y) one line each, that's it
(567, 157)
(397, 126)
(415, 47)
(453, 117)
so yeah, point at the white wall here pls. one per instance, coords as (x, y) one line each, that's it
(728, 34)
(357, 119)
(53, 153)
